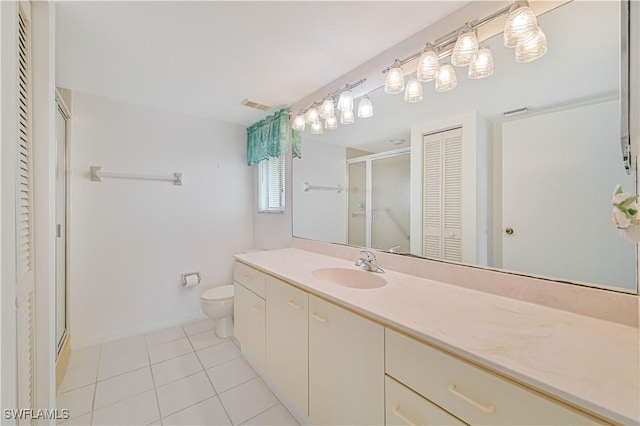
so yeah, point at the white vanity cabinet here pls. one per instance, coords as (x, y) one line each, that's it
(249, 309)
(346, 366)
(287, 345)
(470, 393)
(405, 407)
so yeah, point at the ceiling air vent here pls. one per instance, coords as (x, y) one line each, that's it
(255, 104)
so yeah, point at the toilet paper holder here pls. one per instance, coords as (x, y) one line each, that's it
(190, 279)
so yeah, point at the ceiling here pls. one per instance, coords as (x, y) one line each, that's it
(204, 58)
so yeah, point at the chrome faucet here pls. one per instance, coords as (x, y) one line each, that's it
(369, 263)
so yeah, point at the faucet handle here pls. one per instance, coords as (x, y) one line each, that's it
(369, 254)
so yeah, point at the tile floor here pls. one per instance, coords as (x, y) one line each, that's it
(182, 375)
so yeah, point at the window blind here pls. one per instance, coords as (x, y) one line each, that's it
(271, 175)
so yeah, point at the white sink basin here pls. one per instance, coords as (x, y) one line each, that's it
(350, 277)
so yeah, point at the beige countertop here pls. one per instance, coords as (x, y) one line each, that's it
(583, 361)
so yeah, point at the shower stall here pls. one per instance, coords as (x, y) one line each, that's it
(378, 200)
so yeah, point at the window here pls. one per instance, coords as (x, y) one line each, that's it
(271, 185)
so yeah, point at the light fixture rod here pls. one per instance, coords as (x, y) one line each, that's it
(443, 43)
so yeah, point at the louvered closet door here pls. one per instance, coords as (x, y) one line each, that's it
(452, 195)
(442, 186)
(432, 232)
(24, 216)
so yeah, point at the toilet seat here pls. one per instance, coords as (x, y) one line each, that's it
(218, 293)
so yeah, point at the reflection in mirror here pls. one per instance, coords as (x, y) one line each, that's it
(455, 178)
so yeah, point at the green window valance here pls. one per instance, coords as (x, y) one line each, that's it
(269, 138)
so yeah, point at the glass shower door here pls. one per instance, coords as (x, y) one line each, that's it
(390, 202)
(357, 214)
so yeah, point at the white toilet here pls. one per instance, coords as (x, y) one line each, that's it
(217, 304)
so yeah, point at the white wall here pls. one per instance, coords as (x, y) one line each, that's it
(320, 214)
(131, 239)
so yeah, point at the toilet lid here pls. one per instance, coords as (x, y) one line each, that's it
(218, 293)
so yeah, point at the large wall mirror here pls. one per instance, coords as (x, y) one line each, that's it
(454, 178)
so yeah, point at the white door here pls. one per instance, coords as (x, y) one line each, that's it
(558, 174)
(24, 218)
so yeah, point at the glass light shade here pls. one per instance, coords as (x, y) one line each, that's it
(365, 108)
(413, 92)
(428, 66)
(311, 116)
(482, 66)
(316, 128)
(347, 117)
(465, 49)
(394, 81)
(326, 109)
(345, 101)
(331, 122)
(446, 79)
(298, 123)
(521, 25)
(533, 48)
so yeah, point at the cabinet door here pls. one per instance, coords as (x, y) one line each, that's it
(346, 366)
(249, 322)
(288, 340)
(405, 407)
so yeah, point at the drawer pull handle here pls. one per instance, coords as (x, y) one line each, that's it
(485, 408)
(396, 411)
(256, 308)
(294, 305)
(245, 277)
(318, 317)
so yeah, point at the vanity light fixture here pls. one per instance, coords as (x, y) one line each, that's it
(316, 128)
(345, 102)
(394, 81)
(446, 79)
(413, 92)
(298, 123)
(521, 25)
(428, 65)
(326, 109)
(532, 48)
(465, 49)
(331, 122)
(347, 117)
(312, 116)
(365, 107)
(462, 44)
(482, 66)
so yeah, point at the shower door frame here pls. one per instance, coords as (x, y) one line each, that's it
(368, 159)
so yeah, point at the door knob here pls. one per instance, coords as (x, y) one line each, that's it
(509, 231)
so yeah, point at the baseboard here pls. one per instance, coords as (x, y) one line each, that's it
(110, 337)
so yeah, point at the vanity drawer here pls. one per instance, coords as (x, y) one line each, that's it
(468, 392)
(405, 407)
(251, 278)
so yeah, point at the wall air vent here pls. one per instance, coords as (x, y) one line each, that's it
(255, 104)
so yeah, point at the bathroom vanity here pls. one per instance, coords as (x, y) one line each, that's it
(416, 351)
